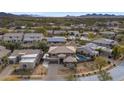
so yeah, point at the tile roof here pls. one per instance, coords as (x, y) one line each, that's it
(62, 49)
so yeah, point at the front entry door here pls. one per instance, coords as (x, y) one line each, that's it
(61, 60)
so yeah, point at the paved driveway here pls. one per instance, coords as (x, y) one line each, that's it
(117, 74)
(52, 73)
(6, 71)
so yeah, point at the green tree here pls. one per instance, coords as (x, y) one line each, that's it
(15, 67)
(100, 62)
(99, 50)
(41, 30)
(104, 76)
(4, 30)
(11, 45)
(42, 45)
(91, 35)
(5, 60)
(121, 49)
(71, 77)
(116, 52)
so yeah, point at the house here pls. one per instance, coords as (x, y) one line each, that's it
(58, 54)
(112, 24)
(66, 27)
(3, 53)
(109, 43)
(31, 37)
(74, 33)
(87, 50)
(86, 34)
(13, 37)
(1, 37)
(56, 39)
(108, 34)
(92, 50)
(85, 38)
(71, 38)
(59, 32)
(56, 32)
(27, 58)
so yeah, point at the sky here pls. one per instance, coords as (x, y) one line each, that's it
(60, 14)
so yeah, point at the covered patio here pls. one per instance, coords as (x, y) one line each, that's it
(70, 62)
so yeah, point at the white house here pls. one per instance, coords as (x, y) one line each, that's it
(13, 37)
(31, 37)
(85, 38)
(108, 34)
(27, 58)
(56, 32)
(105, 42)
(92, 49)
(57, 39)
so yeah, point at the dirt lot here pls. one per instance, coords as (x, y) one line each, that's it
(81, 68)
(40, 70)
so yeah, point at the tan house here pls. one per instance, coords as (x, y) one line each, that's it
(59, 54)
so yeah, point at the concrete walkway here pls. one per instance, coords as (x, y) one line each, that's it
(117, 74)
(6, 72)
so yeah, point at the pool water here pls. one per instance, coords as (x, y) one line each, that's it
(82, 58)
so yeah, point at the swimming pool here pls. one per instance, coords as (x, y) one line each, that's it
(81, 58)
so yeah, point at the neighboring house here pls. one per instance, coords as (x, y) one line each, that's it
(74, 33)
(66, 27)
(56, 39)
(3, 52)
(59, 32)
(85, 38)
(86, 34)
(105, 42)
(56, 32)
(31, 37)
(92, 50)
(81, 25)
(87, 50)
(50, 32)
(71, 38)
(1, 37)
(27, 58)
(112, 24)
(13, 37)
(108, 34)
(58, 54)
